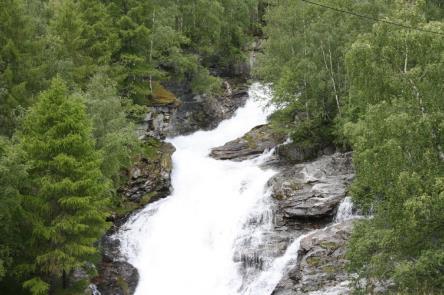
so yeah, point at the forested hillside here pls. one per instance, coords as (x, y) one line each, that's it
(75, 78)
(368, 76)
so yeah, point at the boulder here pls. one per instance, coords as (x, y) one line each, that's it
(321, 263)
(254, 143)
(117, 278)
(295, 153)
(312, 190)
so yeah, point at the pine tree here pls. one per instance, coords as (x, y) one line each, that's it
(65, 202)
(66, 42)
(12, 174)
(100, 35)
(15, 67)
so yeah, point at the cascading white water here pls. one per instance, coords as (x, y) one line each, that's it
(185, 244)
(94, 290)
(267, 280)
(345, 210)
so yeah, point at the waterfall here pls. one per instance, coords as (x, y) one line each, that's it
(185, 244)
(345, 210)
(193, 242)
(268, 280)
(94, 290)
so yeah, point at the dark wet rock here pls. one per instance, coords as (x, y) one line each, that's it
(313, 190)
(110, 248)
(255, 142)
(321, 262)
(150, 178)
(157, 122)
(81, 277)
(191, 112)
(205, 112)
(297, 153)
(117, 278)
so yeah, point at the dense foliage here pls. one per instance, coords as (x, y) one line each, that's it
(376, 88)
(74, 75)
(65, 198)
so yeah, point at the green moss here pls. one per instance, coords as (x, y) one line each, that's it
(279, 197)
(329, 245)
(150, 148)
(329, 269)
(251, 141)
(125, 207)
(162, 96)
(313, 261)
(123, 285)
(147, 198)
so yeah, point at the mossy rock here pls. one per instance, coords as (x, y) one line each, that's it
(329, 269)
(150, 148)
(280, 197)
(123, 285)
(162, 96)
(125, 207)
(260, 134)
(251, 141)
(296, 185)
(166, 161)
(147, 198)
(313, 261)
(329, 245)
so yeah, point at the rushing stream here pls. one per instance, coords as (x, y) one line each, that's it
(186, 244)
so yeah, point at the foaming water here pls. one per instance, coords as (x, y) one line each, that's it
(345, 210)
(185, 244)
(268, 280)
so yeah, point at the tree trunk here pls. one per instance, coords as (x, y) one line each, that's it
(64, 280)
(330, 72)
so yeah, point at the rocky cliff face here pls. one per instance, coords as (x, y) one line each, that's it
(148, 180)
(193, 112)
(321, 264)
(312, 191)
(205, 112)
(305, 197)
